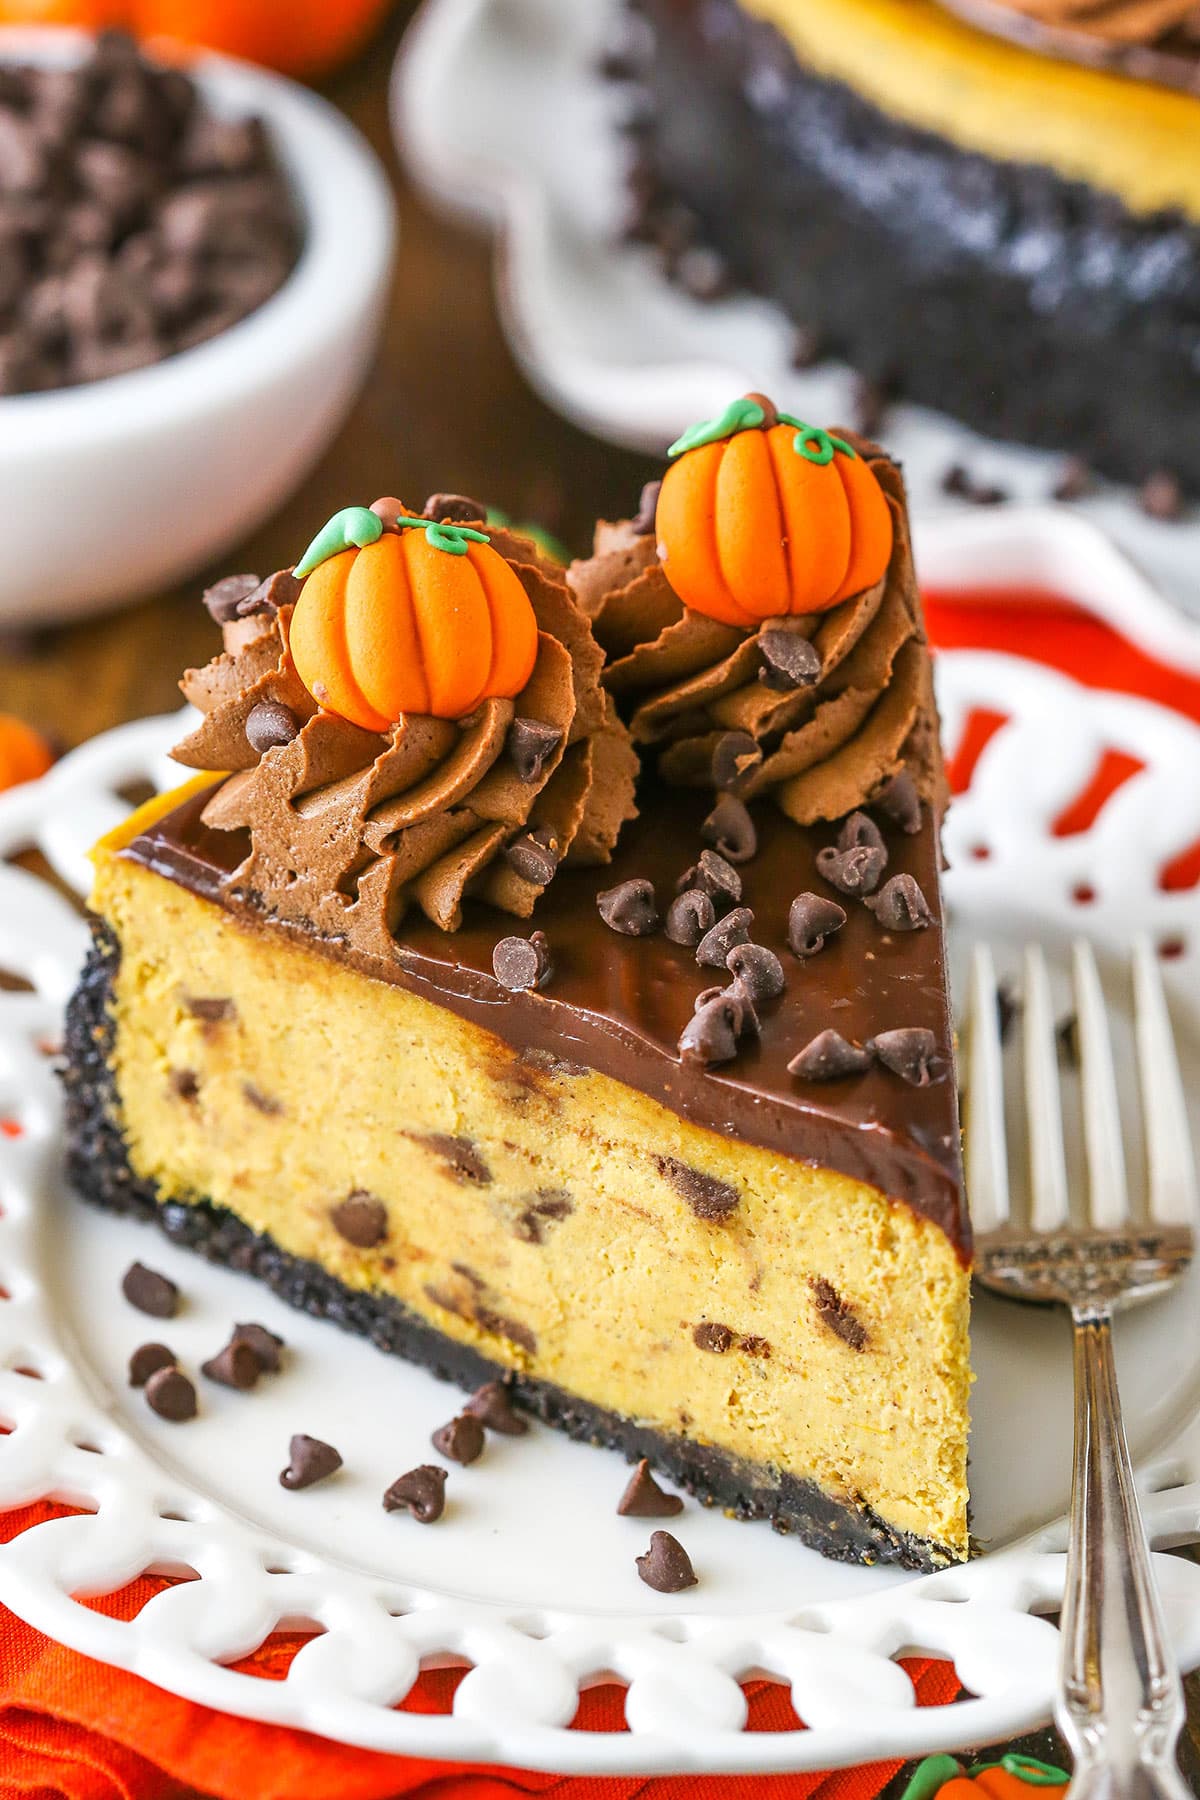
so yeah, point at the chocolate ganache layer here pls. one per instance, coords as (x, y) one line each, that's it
(618, 1004)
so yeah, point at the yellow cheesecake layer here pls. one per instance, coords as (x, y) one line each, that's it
(916, 62)
(551, 1235)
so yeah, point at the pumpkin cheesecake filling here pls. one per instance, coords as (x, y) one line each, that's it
(692, 1193)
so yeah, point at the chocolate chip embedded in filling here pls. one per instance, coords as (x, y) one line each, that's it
(709, 1335)
(754, 1346)
(510, 1329)
(708, 1198)
(834, 1312)
(361, 1219)
(184, 1083)
(261, 1102)
(217, 1010)
(461, 1157)
(550, 1206)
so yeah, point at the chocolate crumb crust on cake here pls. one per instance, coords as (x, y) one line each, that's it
(1027, 259)
(421, 1017)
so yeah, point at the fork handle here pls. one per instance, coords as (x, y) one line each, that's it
(1120, 1704)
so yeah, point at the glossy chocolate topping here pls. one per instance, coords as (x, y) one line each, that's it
(618, 1004)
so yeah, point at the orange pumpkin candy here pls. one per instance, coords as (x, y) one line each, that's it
(24, 752)
(760, 518)
(402, 626)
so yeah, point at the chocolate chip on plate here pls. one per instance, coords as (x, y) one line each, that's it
(629, 908)
(666, 1566)
(461, 1440)
(855, 871)
(171, 1395)
(492, 1406)
(520, 964)
(146, 1360)
(736, 756)
(730, 829)
(150, 1292)
(270, 725)
(788, 660)
(758, 970)
(811, 919)
(534, 855)
(908, 1052)
(712, 952)
(900, 905)
(236, 1366)
(265, 1344)
(711, 1034)
(714, 876)
(309, 1460)
(421, 1491)
(829, 1057)
(689, 916)
(642, 521)
(531, 744)
(900, 802)
(644, 1499)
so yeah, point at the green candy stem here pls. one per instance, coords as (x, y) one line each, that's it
(453, 539)
(932, 1774)
(351, 529)
(747, 414)
(1027, 1769)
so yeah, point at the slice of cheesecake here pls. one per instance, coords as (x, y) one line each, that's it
(654, 1117)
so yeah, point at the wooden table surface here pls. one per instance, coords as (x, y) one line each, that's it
(444, 408)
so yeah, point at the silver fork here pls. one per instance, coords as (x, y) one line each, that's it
(1120, 1702)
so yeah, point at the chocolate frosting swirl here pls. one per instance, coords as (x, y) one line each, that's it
(349, 828)
(702, 692)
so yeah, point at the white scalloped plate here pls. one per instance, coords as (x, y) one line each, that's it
(530, 1578)
(499, 113)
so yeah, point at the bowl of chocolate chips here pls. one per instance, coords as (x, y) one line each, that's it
(194, 262)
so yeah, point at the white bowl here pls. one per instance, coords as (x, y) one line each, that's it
(126, 485)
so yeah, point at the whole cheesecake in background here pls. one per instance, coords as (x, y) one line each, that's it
(975, 224)
(412, 1014)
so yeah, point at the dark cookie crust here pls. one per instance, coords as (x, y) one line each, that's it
(98, 1168)
(1032, 307)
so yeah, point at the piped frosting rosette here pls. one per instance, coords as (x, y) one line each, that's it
(761, 622)
(415, 714)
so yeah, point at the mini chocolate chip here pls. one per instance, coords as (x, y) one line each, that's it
(279, 589)
(711, 1336)
(740, 1003)
(461, 1440)
(811, 920)
(265, 1344)
(146, 1359)
(263, 1103)
(642, 521)
(788, 660)
(908, 1052)
(492, 1406)
(211, 1012)
(457, 507)
(855, 871)
(530, 745)
(711, 1034)
(859, 830)
(629, 908)
(756, 969)
(1160, 496)
(712, 952)
(644, 1499)
(309, 1461)
(900, 802)
(150, 1292)
(520, 964)
(901, 906)
(361, 1219)
(751, 1345)
(666, 1566)
(730, 829)
(224, 597)
(185, 1083)
(461, 1156)
(835, 1312)
(708, 1198)
(270, 725)
(534, 856)
(689, 916)
(1075, 480)
(829, 1057)
(236, 1366)
(421, 1491)
(171, 1395)
(714, 877)
(735, 757)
